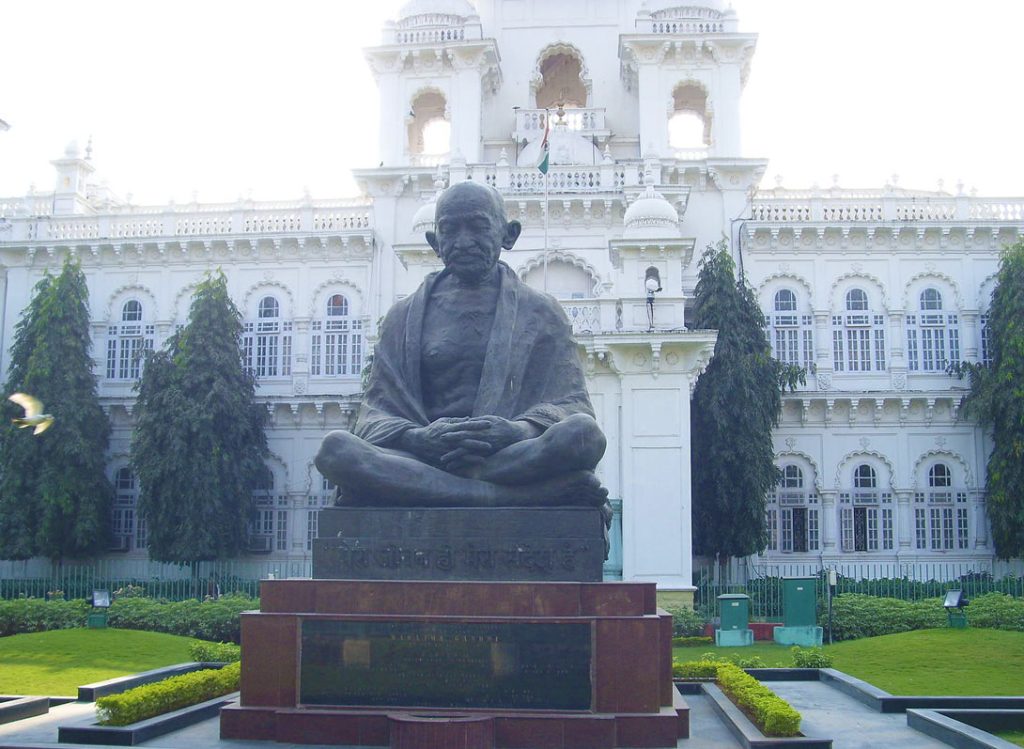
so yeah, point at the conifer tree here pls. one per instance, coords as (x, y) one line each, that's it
(55, 499)
(736, 403)
(199, 445)
(996, 399)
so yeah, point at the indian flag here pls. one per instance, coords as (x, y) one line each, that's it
(542, 164)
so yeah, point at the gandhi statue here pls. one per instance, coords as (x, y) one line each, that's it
(476, 396)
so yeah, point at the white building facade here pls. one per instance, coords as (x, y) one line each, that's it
(872, 292)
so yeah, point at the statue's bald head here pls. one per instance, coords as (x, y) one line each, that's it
(468, 190)
(472, 229)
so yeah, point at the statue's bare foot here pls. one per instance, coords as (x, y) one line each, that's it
(577, 488)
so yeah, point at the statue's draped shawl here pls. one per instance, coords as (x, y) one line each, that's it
(531, 370)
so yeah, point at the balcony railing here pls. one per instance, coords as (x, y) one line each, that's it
(197, 221)
(812, 208)
(530, 123)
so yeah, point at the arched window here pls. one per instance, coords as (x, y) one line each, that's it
(856, 300)
(562, 82)
(792, 334)
(689, 125)
(129, 528)
(785, 301)
(858, 336)
(127, 342)
(132, 311)
(268, 529)
(793, 523)
(336, 346)
(864, 477)
(865, 514)
(933, 335)
(941, 516)
(429, 130)
(267, 341)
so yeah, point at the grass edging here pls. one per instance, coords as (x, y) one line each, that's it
(92, 692)
(144, 730)
(952, 726)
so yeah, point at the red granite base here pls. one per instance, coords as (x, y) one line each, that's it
(632, 700)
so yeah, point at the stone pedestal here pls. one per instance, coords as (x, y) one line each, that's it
(502, 664)
(371, 543)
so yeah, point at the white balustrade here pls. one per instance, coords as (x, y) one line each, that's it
(584, 315)
(134, 222)
(690, 154)
(530, 123)
(995, 209)
(823, 206)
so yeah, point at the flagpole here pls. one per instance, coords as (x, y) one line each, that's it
(546, 162)
(546, 232)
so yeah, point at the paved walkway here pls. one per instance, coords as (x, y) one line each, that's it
(827, 712)
(851, 724)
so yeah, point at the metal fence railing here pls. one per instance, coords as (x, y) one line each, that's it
(41, 579)
(763, 583)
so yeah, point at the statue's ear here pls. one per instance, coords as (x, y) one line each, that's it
(512, 231)
(432, 241)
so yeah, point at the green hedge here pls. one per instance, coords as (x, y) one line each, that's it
(692, 642)
(811, 658)
(855, 615)
(772, 714)
(686, 622)
(167, 695)
(206, 620)
(20, 615)
(214, 652)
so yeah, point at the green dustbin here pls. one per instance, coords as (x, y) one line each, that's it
(799, 613)
(734, 620)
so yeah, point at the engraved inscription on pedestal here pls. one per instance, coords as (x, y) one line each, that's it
(524, 665)
(560, 544)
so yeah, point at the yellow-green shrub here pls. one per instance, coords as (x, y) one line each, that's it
(214, 652)
(772, 714)
(167, 695)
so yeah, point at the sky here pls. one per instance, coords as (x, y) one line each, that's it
(217, 100)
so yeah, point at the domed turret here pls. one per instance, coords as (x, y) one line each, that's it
(423, 219)
(695, 17)
(650, 215)
(417, 8)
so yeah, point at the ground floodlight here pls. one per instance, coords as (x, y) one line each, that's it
(101, 599)
(954, 605)
(954, 600)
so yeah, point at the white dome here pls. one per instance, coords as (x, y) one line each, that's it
(414, 8)
(650, 215)
(693, 9)
(423, 219)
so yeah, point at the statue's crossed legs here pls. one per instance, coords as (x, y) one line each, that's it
(553, 469)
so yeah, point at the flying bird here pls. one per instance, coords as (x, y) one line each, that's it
(34, 416)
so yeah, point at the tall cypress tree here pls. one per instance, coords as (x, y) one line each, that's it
(55, 498)
(199, 444)
(996, 399)
(736, 403)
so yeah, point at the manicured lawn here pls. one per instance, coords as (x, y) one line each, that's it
(929, 661)
(56, 663)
